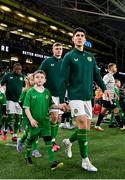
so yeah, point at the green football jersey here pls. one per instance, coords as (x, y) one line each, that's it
(39, 104)
(2, 102)
(51, 66)
(79, 70)
(14, 84)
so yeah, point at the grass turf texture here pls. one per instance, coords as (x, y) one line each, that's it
(106, 151)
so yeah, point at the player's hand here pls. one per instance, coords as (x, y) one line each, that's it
(33, 123)
(63, 106)
(117, 97)
(5, 115)
(108, 95)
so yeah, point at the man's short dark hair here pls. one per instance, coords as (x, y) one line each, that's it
(39, 71)
(79, 29)
(17, 65)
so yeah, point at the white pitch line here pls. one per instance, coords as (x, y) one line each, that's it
(13, 145)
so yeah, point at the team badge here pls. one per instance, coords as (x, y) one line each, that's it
(21, 79)
(75, 111)
(89, 59)
(46, 96)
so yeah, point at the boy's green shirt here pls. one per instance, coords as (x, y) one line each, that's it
(39, 104)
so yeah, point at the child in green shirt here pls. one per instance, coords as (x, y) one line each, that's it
(29, 82)
(37, 103)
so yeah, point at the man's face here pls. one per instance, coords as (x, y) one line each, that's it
(79, 39)
(114, 69)
(18, 69)
(57, 51)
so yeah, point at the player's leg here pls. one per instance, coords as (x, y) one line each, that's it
(83, 112)
(1, 124)
(105, 106)
(18, 119)
(53, 163)
(54, 124)
(21, 140)
(118, 119)
(6, 123)
(69, 123)
(33, 134)
(35, 147)
(62, 124)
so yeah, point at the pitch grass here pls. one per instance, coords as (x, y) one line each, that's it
(106, 151)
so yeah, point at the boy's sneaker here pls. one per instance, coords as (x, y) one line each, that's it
(28, 161)
(123, 128)
(98, 128)
(68, 146)
(1, 132)
(56, 165)
(70, 126)
(63, 126)
(56, 147)
(36, 154)
(19, 146)
(4, 137)
(87, 165)
(14, 138)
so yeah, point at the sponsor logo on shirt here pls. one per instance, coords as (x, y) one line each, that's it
(34, 97)
(76, 59)
(1, 97)
(11, 77)
(52, 64)
(89, 59)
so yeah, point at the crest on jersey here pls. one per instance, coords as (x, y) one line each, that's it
(21, 79)
(89, 59)
(75, 111)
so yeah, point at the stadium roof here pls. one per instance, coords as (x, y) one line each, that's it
(103, 20)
